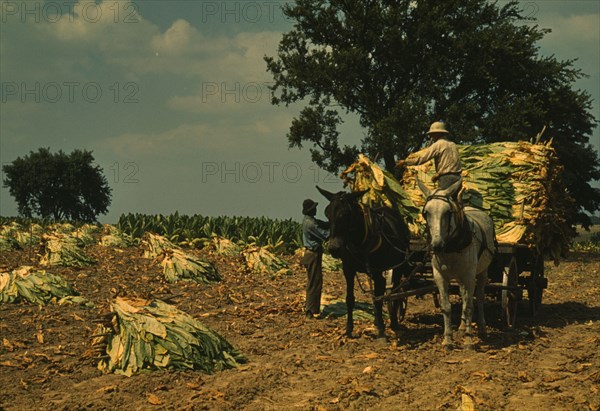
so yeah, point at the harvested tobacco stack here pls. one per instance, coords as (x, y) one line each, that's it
(113, 237)
(155, 245)
(8, 242)
(39, 287)
(262, 260)
(64, 250)
(151, 334)
(29, 236)
(179, 265)
(224, 246)
(87, 233)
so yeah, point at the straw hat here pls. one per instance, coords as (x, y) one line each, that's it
(438, 127)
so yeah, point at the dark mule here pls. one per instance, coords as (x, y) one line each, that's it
(368, 240)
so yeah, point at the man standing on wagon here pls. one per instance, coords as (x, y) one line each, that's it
(444, 154)
(314, 232)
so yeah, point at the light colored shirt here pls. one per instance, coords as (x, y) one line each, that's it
(313, 233)
(444, 154)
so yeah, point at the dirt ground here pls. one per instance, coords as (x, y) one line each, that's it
(550, 362)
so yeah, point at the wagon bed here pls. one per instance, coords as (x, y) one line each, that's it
(516, 268)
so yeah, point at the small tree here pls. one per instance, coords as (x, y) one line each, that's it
(58, 185)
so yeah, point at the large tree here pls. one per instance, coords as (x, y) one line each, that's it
(399, 65)
(58, 185)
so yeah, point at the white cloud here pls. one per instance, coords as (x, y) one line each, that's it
(226, 97)
(94, 22)
(184, 137)
(222, 73)
(177, 39)
(574, 36)
(222, 137)
(74, 27)
(582, 28)
(140, 47)
(183, 50)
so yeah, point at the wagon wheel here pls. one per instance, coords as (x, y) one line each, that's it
(535, 287)
(510, 278)
(401, 309)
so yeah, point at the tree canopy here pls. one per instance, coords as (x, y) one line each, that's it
(400, 65)
(58, 185)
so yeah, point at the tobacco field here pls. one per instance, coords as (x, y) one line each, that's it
(251, 292)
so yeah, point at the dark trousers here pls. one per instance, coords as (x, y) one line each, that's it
(447, 180)
(313, 262)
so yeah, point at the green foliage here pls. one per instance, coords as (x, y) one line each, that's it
(58, 185)
(587, 246)
(591, 245)
(400, 65)
(182, 228)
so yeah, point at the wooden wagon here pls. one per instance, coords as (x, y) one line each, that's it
(515, 271)
(518, 183)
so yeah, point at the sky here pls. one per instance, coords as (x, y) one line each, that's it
(171, 96)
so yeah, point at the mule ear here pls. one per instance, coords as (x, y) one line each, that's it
(326, 193)
(451, 190)
(426, 191)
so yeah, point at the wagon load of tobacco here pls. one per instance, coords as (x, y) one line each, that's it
(518, 183)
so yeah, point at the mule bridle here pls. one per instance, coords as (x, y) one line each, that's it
(356, 254)
(455, 208)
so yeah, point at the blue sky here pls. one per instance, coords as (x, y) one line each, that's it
(171, 97)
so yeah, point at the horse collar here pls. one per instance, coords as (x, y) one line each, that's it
(462, 235)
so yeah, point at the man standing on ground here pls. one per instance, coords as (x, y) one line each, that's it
(314, 232)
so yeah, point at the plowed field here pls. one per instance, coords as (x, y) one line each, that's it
(550, 362)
